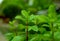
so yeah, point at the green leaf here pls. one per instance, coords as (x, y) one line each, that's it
(43, 18)
(46, 37)
(37, 37)
(20, 18)
(45, 25)
(42, 30)
(18, 38)
(33, 39)
(31, 17)
(57, 35)
(9, 36)
(34, 19)
(21, 26)
(34, 28)
(52, 13)
(25, 14)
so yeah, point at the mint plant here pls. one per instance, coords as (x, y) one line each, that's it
(32, 27)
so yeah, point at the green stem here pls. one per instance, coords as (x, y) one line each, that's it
(52, 29)
(27, 30)
(26, 33)
(15, 32)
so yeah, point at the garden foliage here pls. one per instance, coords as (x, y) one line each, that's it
(35, 27)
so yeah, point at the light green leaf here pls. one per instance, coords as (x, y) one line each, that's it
(31, 17)
(52, 13)
(43, 18)
(25, 14)
(19, 17)
(45, 25)
(18, 38)
(21, 26)
(57, 35)
(33, 39)
(9, 36)
(34, 28)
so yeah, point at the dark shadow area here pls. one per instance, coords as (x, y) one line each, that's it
(11, 11)
(58, 11)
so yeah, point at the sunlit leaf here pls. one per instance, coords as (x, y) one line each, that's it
(25, 14)
(18, 38)
(34, 28)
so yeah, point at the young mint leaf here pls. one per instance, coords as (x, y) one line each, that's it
(43, 18)
(25, 14)
(18, 38)
(52, 13)
(34, 19)
(33, 39)
(21, 26)
(31, 17)
(20, 18)
(34, 28)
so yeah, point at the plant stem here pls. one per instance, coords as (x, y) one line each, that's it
(27, 30)
(26, 33)
(52, 29)
(15, 32)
